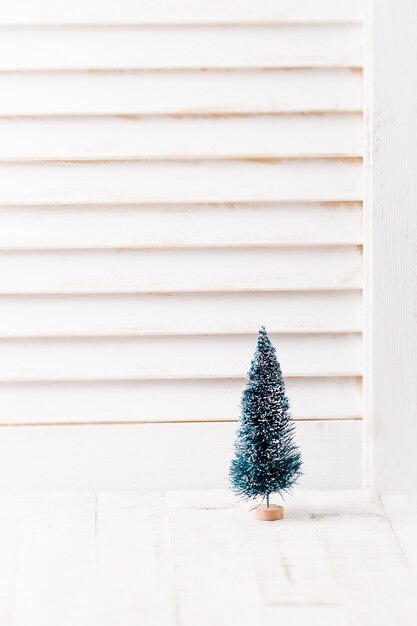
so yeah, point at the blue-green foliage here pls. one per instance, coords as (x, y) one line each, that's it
(266, 457)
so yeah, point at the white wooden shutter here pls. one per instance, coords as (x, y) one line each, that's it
(172, 176)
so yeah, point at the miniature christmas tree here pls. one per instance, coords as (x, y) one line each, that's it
(266, 457)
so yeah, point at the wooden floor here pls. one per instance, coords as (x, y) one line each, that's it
(198, 559)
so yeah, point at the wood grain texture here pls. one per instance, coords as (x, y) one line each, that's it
(223, 269)
(135, 577)
(313, 615)
(294, 578)
(56, 560)
(402, 513)
(207, 314)
(10, 546)
(119, 226)
(115, 138)
(166, 557)
(133, 358)
(180, 47)
(168, 400)
(159, 456)
(392, 233)
(197, 538)
(182, 12)
(201, 93)
(353, 533)
(200, 181)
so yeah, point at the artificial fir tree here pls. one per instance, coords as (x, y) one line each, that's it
(266, 458)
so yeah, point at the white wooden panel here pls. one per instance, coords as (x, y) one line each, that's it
(168, 400)
(245, 178)
(391, 338)
(10, 544)
(180, 270)
(161, 456)
(282, 312)
(173, 357)
(179, 12)
(321, 565)
(325, 398)
(56, 562)
(135, 573)
(179, 225)
(121, 138)
(180, 47)
(201, 181)
(186, 92)
(314, 615)
(357, 536)
(402, 513)
(213, 537)
(290, 564)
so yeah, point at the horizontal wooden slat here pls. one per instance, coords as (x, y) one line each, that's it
(173, 357)
(185, 93)
(161, 456)
(207, 269)
(181, 182)
(68, 48)
(112, 138)
(147, 314)
(57, 227)
(167, 400)
(179, 12)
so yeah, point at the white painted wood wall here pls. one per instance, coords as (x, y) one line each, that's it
(391, 229)
(172, 176)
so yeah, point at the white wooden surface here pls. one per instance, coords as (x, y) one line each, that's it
(47, 402)
(161, 455)
(199, 181)
(208, 269)
(392, 232)
(29, 12)
(182, 47)
(118, 138)
(173, 175)
(127, 358)
(184, 557)
(153, 92)
(286, 312)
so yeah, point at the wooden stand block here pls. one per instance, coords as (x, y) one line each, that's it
(268, 514)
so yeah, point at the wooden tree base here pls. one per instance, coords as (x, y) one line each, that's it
(268, 514)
